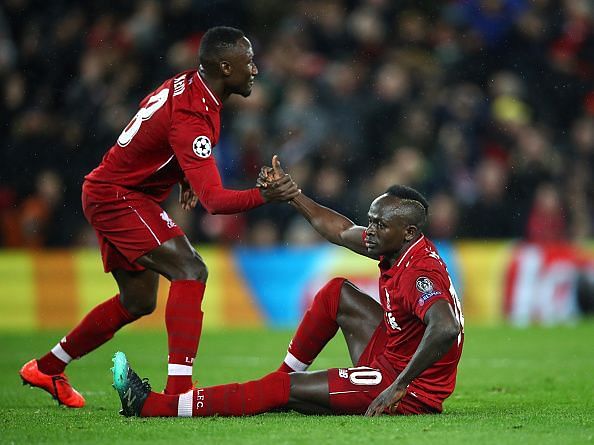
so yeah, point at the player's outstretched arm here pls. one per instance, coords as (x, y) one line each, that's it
(205, 181)
(442, 330)
(333, 226)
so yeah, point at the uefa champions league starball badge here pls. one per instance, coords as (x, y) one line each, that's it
(201, 147)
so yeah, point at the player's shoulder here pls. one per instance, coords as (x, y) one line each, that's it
(169, 88)
(181, 87)
(427, 274)
(190, 96)
(426, 258)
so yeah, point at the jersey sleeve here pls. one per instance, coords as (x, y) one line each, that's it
(424, 287)
(191, 138)
(206, 183)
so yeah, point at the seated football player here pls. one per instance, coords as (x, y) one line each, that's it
(404, 352)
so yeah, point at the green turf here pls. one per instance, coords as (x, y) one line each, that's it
(525, 386)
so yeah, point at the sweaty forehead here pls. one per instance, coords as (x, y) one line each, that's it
(239, 51)
(385, 207)
(244, 47)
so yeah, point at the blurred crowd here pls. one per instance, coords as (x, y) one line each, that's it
(486, 106)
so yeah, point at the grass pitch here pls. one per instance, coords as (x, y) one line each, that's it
(526, 386)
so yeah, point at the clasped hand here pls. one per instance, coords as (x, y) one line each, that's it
(275, 184)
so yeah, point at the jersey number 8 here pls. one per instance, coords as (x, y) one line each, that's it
(154, 103)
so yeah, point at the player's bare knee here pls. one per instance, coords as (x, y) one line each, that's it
(145, 309)
(139, 306)
(199, 271)
(192, 269)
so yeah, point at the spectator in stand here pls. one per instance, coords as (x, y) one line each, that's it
(489, 215)
(547, 221)
(42, 213)
(533, 161)
(580, 183)
(459, 81)
(444, 217)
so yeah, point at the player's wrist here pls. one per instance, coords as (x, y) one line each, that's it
(299, 200)
(260, 195)
(401, 383)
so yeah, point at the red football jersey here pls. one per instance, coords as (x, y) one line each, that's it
(407, 290)
(174, 130)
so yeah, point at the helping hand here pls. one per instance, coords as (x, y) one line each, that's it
(268, 175)
(275, 184)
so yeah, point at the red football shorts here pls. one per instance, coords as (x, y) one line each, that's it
(128, 224)
(353, 389)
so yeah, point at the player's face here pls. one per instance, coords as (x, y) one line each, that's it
(387, 230)
(244, 70)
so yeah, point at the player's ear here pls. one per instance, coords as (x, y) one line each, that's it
(226, 68)
(410, 232)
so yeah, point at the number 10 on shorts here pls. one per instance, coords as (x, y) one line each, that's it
(361, 375)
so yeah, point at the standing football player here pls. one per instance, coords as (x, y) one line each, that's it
(405, 351)
(169, 141)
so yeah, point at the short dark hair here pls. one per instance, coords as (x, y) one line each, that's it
(405, 192)
(414, 204)
(215, 42)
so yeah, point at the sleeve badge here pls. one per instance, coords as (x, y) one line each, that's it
(425, 286)
(202, 147)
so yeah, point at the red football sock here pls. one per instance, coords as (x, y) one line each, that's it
(183, 318)
(285, 368)
(96, 328)
(317, 327)
(234, 399)
(161, 405)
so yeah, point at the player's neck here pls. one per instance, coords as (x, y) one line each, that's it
(393, 258)
(215, 85)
